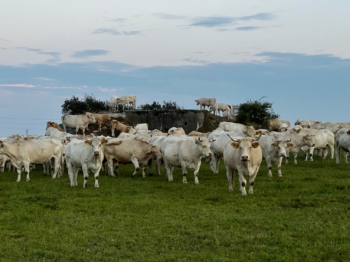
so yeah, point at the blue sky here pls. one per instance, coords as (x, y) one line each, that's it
(295, 54)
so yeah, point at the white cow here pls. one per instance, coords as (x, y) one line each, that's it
(297, 140)
(113, 103)
(323, 139)
(143, 126)
(127, 100)
(203, 102)
(86, 155)
(137, 152)
(306, 123)
(23, 153)
(243, 155)
(185, 152)
(236, 127)
(273, 150)
(342, 141)
(78, 121)
(218, 139)
(333, 127)
(220, 107)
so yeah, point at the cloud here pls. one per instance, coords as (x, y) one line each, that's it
(114, 32)
(116, 20)
(106, 89)
(196, 61)
(247, 28)
(55, 56)
(212, 21)
(220, 21)
(18, 85)
(89, 52)
(169, 16)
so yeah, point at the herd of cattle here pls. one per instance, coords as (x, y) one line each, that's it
(242, 148)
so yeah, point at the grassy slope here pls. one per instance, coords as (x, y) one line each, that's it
(302, 216)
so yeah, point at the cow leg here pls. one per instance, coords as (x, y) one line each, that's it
(26, 166)
(196, 181)
(346, 157)
(214, 163)
(143, 169)
(295, 158)
(332, 151)
(311, 153)
(96, 174)
(99, 127)
(279, 164)
(136, 165)
(251, 181)
(86, 175)
(57, 166)
(19, 171)
(110, 167)
(269, 166)
(230, 174)
(184, 172)
(158, 164)
(169, 171)
(70, 173)
(337, 154)
(242, 183)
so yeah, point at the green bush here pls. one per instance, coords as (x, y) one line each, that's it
(255, 113)
(89, 103)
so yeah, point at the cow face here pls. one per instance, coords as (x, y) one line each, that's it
(245, 147)
(308, 140)
(95, 145)
(280, 147)
(204, 147)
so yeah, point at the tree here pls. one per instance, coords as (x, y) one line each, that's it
(255, 113)
(89, 103)
(156, 106)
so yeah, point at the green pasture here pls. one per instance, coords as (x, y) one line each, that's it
(302, 216)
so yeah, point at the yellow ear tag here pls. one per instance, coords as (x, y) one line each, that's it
(290, 146)
(87, 144)
(234, 145)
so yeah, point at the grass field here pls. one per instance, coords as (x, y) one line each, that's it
(302, 216)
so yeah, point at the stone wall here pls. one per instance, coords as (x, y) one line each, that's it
(163, 120)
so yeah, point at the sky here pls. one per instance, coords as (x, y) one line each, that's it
(293, 54)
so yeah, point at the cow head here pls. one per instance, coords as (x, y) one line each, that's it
(95, 144)
(245, 146)
(203, 146)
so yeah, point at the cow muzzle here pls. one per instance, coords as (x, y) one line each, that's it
(96, 153)
(244, 158)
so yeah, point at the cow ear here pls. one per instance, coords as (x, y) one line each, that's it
(274, 145)
(348, 132)
(255, 144)
(298, 131)
(289, 145)
(87, 143)
(235, 145)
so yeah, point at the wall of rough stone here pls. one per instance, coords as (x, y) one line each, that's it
(163, 120)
